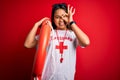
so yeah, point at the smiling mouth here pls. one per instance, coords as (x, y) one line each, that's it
(61, 24)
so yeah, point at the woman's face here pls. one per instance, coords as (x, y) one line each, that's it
(60, 19)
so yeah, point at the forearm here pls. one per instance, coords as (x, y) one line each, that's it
(30, 40)
(81, 36)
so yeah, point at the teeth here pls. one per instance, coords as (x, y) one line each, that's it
(61, 24)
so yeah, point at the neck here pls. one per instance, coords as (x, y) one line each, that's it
(61, 29)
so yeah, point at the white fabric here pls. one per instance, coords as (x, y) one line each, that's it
(53, 69)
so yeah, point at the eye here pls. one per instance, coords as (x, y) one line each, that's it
(64, 16)
(57, 17)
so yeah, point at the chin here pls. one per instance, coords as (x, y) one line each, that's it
(61, 27)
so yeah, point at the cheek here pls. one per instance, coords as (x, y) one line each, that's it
(65, 18)
(55, 21)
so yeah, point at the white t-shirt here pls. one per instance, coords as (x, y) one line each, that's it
(53, 68)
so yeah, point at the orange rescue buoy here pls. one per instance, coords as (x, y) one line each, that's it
(40, 55)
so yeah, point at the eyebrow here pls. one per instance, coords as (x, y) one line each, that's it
(60, 15)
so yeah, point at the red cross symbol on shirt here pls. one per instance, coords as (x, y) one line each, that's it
(61, 47)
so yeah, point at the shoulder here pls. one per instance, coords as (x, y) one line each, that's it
(71, 33)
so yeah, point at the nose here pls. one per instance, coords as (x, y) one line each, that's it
(61, 18)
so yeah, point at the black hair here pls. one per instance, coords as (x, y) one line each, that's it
(56, 7)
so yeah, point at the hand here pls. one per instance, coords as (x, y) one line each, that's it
(71, 12)
(40, 21)
(68, 17)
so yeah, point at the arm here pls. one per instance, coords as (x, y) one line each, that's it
(30, 41)
(81, 36)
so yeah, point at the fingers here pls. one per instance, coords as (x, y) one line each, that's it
(49, 23)
(68, 8)
(65, 15)
(44, 19)
(40, 21)
(71, 10)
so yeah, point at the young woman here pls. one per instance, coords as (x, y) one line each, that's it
(61, 62)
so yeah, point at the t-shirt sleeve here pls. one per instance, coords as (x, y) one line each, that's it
(37, 37)
(76, 41)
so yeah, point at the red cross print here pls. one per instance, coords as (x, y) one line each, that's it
(61, 47)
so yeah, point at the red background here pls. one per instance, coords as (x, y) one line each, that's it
(99, 19)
